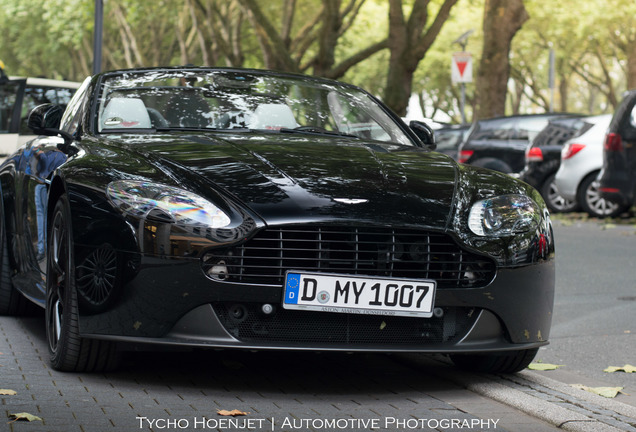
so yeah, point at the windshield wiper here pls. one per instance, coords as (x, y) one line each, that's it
(315, 130)
(197, 129)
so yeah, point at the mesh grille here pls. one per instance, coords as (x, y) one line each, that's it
(349, 250)
(246, 323)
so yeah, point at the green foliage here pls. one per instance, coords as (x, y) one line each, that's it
(595, 45)
(37, 36)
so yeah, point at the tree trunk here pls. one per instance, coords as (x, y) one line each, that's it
(398, 86)
(502, 20)
(328, 38)
(283, 52)
(275, 53)
(408, 44)
(631, 64)
(563, 92)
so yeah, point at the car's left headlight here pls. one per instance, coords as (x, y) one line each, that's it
(161, 202)
(504, 215)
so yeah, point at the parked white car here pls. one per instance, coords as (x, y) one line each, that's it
(581, 161)
(18, 96)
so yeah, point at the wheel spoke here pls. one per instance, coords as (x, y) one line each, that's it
(57, 251)
(57, 317)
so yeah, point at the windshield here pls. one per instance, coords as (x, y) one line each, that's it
(136, 102)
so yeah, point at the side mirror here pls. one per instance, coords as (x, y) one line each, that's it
(43, 117)
(45, 120)
(424, 133)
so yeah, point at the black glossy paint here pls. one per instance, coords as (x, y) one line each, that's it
(266, 179)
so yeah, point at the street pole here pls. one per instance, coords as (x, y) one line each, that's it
(551, 79)
(462, 87)
(97, 36)
(462, 102)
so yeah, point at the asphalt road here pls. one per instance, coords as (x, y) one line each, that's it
(594, 323)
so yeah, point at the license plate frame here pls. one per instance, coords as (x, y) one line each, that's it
(359, 294)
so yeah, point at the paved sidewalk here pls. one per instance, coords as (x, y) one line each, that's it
(279, 391)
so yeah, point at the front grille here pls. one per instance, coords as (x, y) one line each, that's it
(387, 252)
(248, 323)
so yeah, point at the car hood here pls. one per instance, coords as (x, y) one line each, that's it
(285, 178)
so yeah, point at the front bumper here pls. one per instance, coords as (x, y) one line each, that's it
(171, 302)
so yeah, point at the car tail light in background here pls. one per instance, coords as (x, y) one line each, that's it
(464, 155)
(534, 154)
(613, 142)
(570, 150)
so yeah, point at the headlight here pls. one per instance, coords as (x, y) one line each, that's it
(141, 199)
(504, 215)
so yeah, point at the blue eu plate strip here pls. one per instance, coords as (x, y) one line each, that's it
(292, 283)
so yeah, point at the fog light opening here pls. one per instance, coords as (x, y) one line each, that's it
(238, 313)
(218, 270)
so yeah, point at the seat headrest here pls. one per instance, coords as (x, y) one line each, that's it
(125, 113)
(272, 116)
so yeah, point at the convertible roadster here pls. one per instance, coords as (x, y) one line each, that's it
(231, 208)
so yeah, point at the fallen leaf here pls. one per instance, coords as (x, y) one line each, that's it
(382, 325)
(543, 366)
(23, 416)
(232, 413)
(608, 392)
(7, 392)
(626, 368)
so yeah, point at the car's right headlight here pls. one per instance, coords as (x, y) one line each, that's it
(143, 199)
(504, 215)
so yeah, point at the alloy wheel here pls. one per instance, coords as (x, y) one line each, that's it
(556, 200)
(57, 281)
(599, 205)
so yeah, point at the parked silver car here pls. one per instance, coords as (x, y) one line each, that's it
(581, 161)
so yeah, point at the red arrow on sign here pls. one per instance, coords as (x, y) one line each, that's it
(461, 65)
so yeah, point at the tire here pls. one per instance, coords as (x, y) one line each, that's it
(12, 302)
(591, 201)
(553, 199)
(9, 297)
(68, 351)
(493, 164)
(506, 362)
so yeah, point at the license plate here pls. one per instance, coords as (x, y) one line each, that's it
(359, 294)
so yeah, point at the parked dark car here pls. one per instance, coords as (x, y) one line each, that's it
(617, 180)
(449, 137)
(543, 158)
(500, 143)
(233, 208)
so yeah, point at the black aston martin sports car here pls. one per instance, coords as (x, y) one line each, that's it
(232, 208)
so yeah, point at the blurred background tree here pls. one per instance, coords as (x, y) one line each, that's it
(400, 50)
(502, 20)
